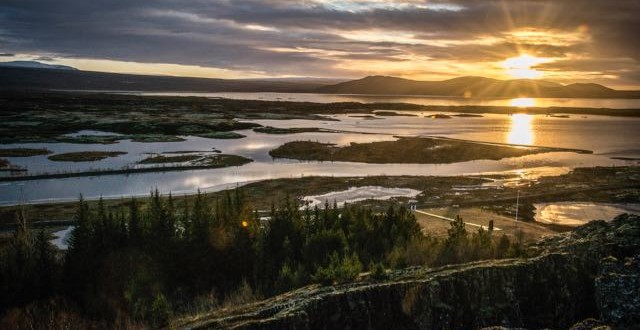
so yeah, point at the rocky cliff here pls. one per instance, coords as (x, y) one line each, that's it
(592, 273)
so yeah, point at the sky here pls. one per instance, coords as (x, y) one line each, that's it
(564, 41)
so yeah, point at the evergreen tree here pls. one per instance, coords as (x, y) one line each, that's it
(20, 269)
(503, 246)
(135, 226)
(81, 259)
(46, 266)
(455, 246)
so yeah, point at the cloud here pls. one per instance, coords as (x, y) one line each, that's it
(323, 37)
(44, 58)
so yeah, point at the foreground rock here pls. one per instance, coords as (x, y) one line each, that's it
(590, 273)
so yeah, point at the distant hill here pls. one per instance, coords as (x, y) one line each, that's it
(474, 87)
(34, 65)
(22, 76)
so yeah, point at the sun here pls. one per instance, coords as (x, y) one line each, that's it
(520, 67)
(523, 102)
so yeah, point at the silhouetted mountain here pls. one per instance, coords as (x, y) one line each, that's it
(35, 65)
(35, 75)
(474, 87)
(13, 77)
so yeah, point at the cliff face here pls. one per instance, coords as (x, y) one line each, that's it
(592, 272)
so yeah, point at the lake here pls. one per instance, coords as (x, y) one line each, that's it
(422, 100)
(607, 136)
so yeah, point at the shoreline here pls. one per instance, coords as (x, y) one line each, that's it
(606, 184)
(44, 176)
(239, 161)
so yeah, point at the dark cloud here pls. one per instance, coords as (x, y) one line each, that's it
(308, 38)
(6, 55)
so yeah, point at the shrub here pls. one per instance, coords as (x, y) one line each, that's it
(160, 312)
(377, 271)
(339, 270)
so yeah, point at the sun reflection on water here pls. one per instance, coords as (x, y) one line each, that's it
(523, 102)
(521, 129)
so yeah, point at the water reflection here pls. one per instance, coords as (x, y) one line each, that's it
(423, 100)
(522, 102)
(607, 136)
(578, 213)
(521, 129)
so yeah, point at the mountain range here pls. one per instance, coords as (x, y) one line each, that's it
(35, 75)
(472, 86)
(35, 65)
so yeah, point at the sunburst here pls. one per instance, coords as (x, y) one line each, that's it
(522, 67)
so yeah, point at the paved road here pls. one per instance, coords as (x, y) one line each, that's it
(452, 220)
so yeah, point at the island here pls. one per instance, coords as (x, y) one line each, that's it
(85, 156)
(413, 150)
(23, 152)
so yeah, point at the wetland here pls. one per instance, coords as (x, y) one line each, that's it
(522, 140)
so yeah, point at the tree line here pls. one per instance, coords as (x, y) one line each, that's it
(144, 266)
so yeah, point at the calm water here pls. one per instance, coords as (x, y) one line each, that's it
(422, 100)
(576, 214)
(61, 240)
(606, 136)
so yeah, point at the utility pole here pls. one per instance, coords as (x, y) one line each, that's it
(517, 208)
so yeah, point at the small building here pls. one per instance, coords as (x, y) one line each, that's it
(413, 205)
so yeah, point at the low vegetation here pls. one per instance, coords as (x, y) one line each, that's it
(6, 166)
(107, 139)
(150, 138)
(439, 116)
(51, 116)
(222, 160)
(403, 150)
(468, 115)
(198, 160)
(383, 113)
(149, 265)
(292, 130)
(162, 165)
(23, 152)
(85, 156)
(220, 135)
(86, 139)
(364, 116)
(161, 159)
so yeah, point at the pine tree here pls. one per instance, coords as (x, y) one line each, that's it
(20, 268)
(456, 243)
(46, 266)
(81, 235)
(135, 227)
(81, 261)
(503, 246)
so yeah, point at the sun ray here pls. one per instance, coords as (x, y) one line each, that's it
(522, 67)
